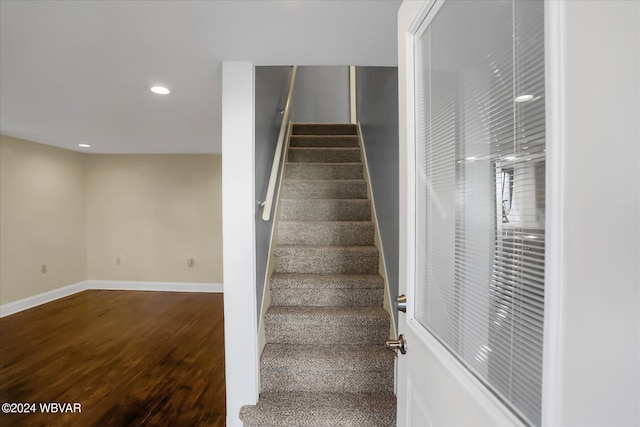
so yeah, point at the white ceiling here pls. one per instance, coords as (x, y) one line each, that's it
(79, 71)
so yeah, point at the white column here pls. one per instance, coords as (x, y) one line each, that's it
(238, 213)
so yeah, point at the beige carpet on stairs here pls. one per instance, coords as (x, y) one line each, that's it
(324, 363)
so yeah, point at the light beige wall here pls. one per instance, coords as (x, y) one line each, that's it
(78, 213)
(42, 218)
(154, 212)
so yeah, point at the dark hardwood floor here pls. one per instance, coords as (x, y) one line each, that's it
(128, 358)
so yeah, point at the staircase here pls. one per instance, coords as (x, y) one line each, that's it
(324, 363)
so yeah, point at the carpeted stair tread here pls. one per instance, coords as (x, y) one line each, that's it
(352, 316)
(324, 129)
(352, 170)
(326, 290)
(323, 368)
(321, 410)
(324, 189)
(326, 325)
(346, 233)
(325, 259)
(324, 141)
(325, 210)
(313, 357)
(326, 281)
(323, 154)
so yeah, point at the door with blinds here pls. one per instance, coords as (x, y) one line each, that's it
(476, 215)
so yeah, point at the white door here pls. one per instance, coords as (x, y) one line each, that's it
(435, 37)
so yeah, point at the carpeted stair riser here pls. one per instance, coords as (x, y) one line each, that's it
(324, 129)
(325, 210)
(325, 233)
(323, 171)
(321, 410)
(326, 290)
(323, 155)
(326, 325)
(326, 259)
(324, 189)
(356, 369)
(324, 141)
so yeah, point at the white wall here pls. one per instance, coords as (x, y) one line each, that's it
(599, 354)
(238, 212)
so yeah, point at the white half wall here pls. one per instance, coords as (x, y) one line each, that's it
(238, 213)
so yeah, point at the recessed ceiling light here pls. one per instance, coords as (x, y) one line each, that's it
(524, 98)
(160, 90)
(84, 145)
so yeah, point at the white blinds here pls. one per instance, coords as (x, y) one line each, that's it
(480, 196)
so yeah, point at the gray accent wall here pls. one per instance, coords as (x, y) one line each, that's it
(271, 85)
(377, 112)
(322, 94)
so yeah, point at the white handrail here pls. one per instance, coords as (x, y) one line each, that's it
(268, 201)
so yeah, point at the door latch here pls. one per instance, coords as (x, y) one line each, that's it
(401, 303)
(399, 344)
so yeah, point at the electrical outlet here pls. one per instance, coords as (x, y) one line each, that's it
(43, 268)
(190, 262)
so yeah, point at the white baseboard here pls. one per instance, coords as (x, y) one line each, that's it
(154, 286)
(45, 297)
